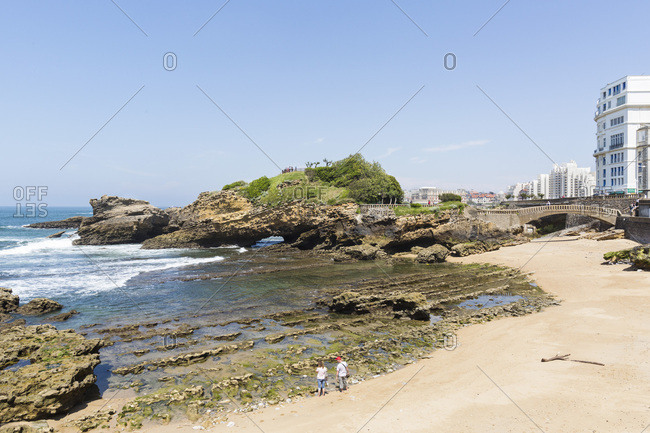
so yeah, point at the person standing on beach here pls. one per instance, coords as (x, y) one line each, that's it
(342, 372)
(321, 377)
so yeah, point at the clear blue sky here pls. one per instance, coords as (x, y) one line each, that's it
(306, 80)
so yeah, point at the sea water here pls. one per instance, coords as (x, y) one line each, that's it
(117, 284)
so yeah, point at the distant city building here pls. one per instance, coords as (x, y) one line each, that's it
(482, 198)
(566, 180)
(569, 180)
(622, 118)
(431, 194)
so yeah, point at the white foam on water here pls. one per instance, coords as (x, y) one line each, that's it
(50, 267)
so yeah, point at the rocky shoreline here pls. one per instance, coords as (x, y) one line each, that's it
(204, 366)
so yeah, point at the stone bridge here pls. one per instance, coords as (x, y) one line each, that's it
(512, 218)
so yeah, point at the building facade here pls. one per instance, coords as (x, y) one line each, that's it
(431, 195)
(566, 180)
(621, 154)
(569, 180)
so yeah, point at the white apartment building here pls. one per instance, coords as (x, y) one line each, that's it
(431, 194)
(622, 136)
(569, 180)
(566, 180)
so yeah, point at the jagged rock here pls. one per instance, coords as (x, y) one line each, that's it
(55, 369)
(118, 220)
(637, 256)
(27, 427)
(68, 223)
(433, 254)
(94, 420)
(413, 305)
(363, 252)
(469, 248)
(56, 235)
(38, 306)
(8, 301)
(225, 217)
(63, 316)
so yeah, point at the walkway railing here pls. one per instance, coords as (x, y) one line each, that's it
(560, 208)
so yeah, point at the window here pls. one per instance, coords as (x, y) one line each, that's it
(604, 95)
(609, 104)
(604, 160)
(617, 89)
(620, 101)
(604, 172)
(610, 91)
(617, 140)
(624, 86)
(618, 120)
(604, 107)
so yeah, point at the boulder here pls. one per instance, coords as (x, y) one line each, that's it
(469, 248)
(433, 254)
(38, 306)
(8, 301)
(56, 235)
(363, 252)
(63, 316)
(118, 220)
(639, 257)
(52, 370)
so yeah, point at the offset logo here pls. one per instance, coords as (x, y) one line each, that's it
(169, 342)
(170, 61)
(30, 201)
(450, 341)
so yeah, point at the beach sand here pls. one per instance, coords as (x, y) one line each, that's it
(494, 380)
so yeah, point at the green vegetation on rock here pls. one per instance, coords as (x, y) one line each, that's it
(352, 179)
(637, 256)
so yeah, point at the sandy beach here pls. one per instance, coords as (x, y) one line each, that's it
(494, 380)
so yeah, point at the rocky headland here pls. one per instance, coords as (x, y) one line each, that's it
(227, 218)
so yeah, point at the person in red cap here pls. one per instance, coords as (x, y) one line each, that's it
(342, 373)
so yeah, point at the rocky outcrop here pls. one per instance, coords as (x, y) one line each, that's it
(119, 220)
(56, 235)
(44, 371)
(224, 217)
(8, 301)
(227, 218)
(38, 306)
(69, 223)
(433, 254)
(469, 248)
(413, 305)
(639, 257)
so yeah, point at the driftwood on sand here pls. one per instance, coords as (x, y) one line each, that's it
(559, 357)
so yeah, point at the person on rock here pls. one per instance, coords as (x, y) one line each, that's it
(342, 373)
(321, 377)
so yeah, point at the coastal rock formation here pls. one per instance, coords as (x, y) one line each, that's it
(433, 254)
(639, 257)
(38, 306)
(68, 223)
(225, 217)
(413, 305)
(228, 218)
(469, 248)
(8, 301)
(119, 220)
(49, 371)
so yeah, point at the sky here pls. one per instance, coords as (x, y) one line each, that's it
(88, 107)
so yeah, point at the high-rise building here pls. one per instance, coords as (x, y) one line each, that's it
(569, 180)
(622, 116)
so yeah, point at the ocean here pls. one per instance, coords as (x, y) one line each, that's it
(123, 283)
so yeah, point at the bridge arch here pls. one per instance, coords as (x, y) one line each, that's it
(512, 218)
